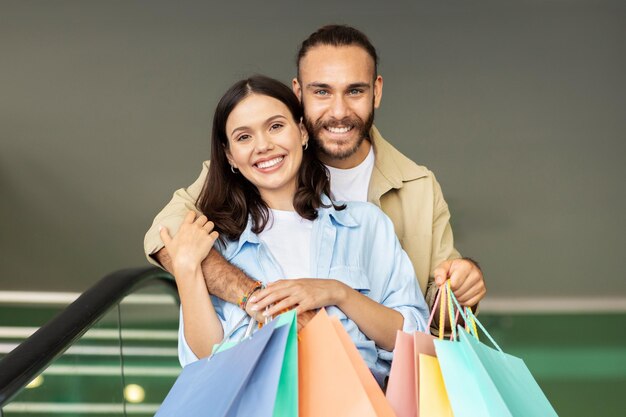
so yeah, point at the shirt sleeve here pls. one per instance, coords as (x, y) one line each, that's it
(400, 291)
(173, 214)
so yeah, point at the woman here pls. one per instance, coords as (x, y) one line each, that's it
(268, 195)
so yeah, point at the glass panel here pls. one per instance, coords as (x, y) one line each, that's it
(85, 379)
(579, 360)
(88, 379)
(150, 339)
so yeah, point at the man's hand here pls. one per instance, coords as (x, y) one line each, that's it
(466, 280)
(305, 317)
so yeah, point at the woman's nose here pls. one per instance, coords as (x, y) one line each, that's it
(264, 143)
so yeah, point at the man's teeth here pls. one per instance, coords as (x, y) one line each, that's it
(338, 129)
(270, 163)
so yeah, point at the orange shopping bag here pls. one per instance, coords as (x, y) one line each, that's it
(333, 379)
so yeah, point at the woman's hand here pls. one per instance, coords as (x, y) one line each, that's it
(190, 245)
(304, 294)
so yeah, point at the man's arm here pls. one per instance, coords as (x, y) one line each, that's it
(466, 277)
(223, 279)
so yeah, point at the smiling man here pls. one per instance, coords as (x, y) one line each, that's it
(339, 87)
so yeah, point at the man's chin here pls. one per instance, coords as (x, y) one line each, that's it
(339, 151)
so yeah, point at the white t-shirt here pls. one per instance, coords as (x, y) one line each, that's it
(288, 238)
(352, 184)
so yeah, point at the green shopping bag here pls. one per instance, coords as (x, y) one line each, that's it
(482, 381)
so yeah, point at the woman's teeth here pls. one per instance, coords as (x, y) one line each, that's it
(270, 163)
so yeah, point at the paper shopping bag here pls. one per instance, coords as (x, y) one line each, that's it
(433, 398)
(247, 378)
(488, 382)
(403, 386)
(506, 378)
(333, 378)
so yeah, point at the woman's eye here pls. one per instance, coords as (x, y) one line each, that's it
(276, 126)
(243, 137)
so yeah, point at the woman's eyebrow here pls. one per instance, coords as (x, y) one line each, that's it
(268, 120)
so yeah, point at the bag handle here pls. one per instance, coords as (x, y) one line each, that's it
(442, 308)
(470, 317)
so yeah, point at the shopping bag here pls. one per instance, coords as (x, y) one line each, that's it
(257, 376)
(333, 378)
(403, 386)
(433, 399)
(481, 380)
(404, 377)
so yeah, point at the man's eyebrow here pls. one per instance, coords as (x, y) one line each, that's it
(328, 86)
(358, 85)
(318, 85)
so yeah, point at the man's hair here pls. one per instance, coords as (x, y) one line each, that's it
(337, 35)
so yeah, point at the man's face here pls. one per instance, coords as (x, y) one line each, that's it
(339, 93)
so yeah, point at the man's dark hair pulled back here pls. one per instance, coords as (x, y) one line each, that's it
(337, 35)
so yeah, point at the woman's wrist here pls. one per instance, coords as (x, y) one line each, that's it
(339, 294)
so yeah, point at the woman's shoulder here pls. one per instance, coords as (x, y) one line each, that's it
(360, 212)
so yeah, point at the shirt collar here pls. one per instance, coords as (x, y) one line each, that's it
(342, 217)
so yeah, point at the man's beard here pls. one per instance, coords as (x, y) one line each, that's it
(361, 127)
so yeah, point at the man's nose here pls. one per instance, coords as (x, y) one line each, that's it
(339, 107)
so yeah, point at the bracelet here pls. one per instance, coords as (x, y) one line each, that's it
(243, 302)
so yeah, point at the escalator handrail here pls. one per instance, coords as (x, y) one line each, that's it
(33, 355)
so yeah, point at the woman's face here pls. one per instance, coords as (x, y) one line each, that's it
(265, 145)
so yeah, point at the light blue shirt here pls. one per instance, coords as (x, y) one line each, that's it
(357, 246)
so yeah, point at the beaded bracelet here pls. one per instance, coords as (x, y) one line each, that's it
(243, 302)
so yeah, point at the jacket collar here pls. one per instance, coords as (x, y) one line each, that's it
(391, 168)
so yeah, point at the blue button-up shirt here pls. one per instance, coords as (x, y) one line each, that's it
(357, 246)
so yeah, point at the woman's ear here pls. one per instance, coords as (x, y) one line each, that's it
(229, 157)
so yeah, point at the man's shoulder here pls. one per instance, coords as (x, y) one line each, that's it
(390, 159)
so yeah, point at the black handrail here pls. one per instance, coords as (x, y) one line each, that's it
(34, 354)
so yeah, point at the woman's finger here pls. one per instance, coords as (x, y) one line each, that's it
(189, 217)
(165, 235)
(208, 226)
(201, 220)
(284, 304)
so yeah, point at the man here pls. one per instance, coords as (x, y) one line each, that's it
(339, 86)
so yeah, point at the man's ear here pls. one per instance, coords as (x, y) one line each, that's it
(378, 91)
(304, 134)
(296, 88)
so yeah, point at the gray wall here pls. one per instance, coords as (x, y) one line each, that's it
(105, 109)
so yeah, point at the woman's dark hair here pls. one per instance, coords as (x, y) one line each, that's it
(228, 198)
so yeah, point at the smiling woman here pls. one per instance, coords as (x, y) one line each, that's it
(265, 143)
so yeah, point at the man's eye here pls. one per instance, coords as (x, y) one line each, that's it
(321, 92)
(355, 91)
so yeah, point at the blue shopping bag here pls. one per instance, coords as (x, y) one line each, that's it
(482, 381)
(242, 379)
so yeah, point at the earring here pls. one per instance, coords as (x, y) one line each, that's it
(306, 145)
(232, 169)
